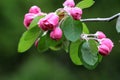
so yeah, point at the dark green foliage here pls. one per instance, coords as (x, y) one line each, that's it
(71, 29)
(74, 48)
(88, 53)
(28, 38)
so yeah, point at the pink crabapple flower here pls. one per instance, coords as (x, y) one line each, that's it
(28, 19)
(35, 10)
(105, 46)
(69, 3)
(75, 12)
(49, 22)
(56, 34)
(100, 35)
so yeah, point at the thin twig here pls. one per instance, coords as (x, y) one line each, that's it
(101, 19)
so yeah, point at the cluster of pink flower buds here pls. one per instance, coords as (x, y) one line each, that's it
(51, 20)
(106, 44)
(69, 7)
(33, 12)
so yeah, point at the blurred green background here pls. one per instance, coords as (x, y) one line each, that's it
(33, 65)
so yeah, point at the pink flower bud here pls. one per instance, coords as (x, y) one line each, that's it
(107, 42)
(49, 22)
(100, 35)
(56, 34)
(105, 46)
(104, 50)
(28, 19)
(75, 12)
(69, 3)
(36, 42)
(35, 10)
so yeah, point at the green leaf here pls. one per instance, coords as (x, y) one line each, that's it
(100, 57)
(65, 45)
(42, 44)
(88, 53)
(28, 38)
(35, 21)
(71, 29)
(31, 33)
(46, 42)
(53, 43)
(118, 25)
(85, 29)
(85, 4)
(74, 47)
(55, 48)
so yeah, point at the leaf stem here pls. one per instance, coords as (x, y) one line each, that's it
(101, 19)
